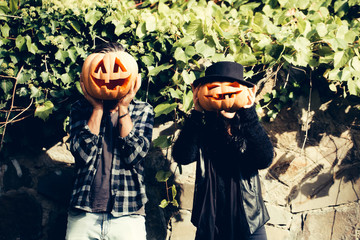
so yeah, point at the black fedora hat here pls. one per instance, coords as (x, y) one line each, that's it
(224, 72)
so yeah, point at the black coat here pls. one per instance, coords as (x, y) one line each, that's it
(227, 199)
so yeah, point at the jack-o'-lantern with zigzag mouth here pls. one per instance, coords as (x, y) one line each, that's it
(109, 76)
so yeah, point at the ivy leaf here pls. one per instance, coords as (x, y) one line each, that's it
(175, 203)
(350, 36)
(337, 43)
(341, 7)
(150, 23)
(66, 78)
(72, 54)
(45, 76)
(355, 63)
(35, 92)
(341, 31)
(4, 8)
(162, 142)
(164, 203)
(163, 176)
(31, 46)
(24, 77)
(20, 43)
(187, 101)
(245, 56)
(267, 98)
(195, 29)
(119, 28)
(164, 108)
(321, 29)
(148, 59)
(75, 25)
(5, 29)
(6, 86)
(302, 44)
(354, 86)
(334, 74)
(190, 51)
(173, 191)
(175, 93)
(155, 71)
(61, 56)
(188, 77)
(23, 92)
(342, 57)
(43, 111)
(93, 16)
(346, 74)
(14, 4)
(203, 49)
(141, 30)
(179, 55)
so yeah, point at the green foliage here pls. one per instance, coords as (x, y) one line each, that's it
(43, 47)
(163, 176)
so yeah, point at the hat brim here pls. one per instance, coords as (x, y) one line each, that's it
(219, 78)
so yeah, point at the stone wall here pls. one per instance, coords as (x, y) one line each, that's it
(312, 190)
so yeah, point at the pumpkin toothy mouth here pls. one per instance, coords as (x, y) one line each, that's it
(223, 96)
(110, 85)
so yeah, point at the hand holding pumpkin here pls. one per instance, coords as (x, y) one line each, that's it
(197, 106)
(124, 102)
(96, 103)
(251, 97)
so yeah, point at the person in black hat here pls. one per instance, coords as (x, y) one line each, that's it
(229, 146)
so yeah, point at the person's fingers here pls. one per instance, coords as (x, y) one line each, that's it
(83, 89)
(133, 90)
(251, 97)
(254, 90)
(137, 83)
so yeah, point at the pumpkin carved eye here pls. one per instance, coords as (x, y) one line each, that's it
(118, 65)
(101, 67)
(212, 86)
(234, 84)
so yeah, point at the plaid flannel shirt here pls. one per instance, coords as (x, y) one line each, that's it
(127, 182)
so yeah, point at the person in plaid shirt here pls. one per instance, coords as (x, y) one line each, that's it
(109, 140)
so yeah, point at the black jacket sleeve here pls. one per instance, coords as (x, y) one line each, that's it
(259, 149)
(186, 146)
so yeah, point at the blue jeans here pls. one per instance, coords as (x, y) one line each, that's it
(103, 226)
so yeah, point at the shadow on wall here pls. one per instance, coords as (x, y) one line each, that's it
(331, 117)
(157, 218)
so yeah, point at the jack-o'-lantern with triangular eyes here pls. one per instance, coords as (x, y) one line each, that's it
(109, 76)
(224, 88)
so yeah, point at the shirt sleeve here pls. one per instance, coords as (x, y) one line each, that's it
(83, 143)
(259, 148)
(135, 146)
(186, 146)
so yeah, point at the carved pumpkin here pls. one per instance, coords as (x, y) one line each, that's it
(228, 96)
(109, 76)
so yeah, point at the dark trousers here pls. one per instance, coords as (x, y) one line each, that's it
(260, 234)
